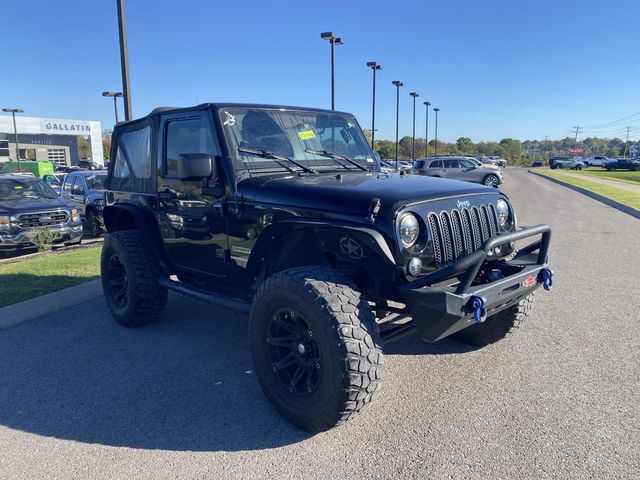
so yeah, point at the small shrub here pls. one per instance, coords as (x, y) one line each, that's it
(42, 237)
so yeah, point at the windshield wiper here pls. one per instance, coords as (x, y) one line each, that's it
(336, 157)
(277, 157)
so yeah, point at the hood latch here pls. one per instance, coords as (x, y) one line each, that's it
(374, 208)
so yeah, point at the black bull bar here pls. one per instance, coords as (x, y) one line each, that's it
(439, 311)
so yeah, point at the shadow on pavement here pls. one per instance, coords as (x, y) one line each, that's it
(183, 383)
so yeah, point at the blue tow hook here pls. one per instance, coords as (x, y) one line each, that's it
(546, 277)
(479, 311)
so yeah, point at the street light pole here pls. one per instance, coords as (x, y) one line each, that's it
(333, 40)
(13, 112)
(373, 66)
(115, 96)
(426, 130)
(413, 140)
(124, 60)
(436, 138)
(398, 84)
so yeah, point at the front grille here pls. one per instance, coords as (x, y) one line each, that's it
(461, 232)
(42, 219)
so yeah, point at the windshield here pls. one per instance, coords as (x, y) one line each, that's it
(21, 189)
(96, 182)
(309, 138)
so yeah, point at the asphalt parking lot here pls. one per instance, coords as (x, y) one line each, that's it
(81, 397)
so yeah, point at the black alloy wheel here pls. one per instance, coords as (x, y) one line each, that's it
(118, 282)
(294, 352)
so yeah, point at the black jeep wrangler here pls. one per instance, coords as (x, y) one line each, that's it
(284, 214)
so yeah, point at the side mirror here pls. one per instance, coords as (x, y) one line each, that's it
(194, 166)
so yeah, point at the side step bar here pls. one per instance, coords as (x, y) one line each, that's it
(233, 304)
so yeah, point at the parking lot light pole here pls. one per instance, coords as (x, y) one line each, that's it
(373, 66)
(333, 40)
(413, 140)
(13, 112)
(426, 130)
(398, 84)
(124, 60)
(435, 146)
(115, 96)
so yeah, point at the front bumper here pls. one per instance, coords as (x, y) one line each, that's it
(439, 311)
(23, 238)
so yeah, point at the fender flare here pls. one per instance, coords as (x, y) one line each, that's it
(275, 231)
(140, 219)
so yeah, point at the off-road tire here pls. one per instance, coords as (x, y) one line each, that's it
(145, 298)
(498, 326)
(350, 362)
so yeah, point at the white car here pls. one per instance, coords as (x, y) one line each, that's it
(595, 161)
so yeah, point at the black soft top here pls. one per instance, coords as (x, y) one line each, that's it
(217, 105)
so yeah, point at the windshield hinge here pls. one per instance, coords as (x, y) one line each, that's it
(374, 208)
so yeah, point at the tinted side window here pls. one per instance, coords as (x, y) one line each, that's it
(418, 164)
(78, 185)
(436, 164)
(467, 164)
(450, 163)
(186, 136)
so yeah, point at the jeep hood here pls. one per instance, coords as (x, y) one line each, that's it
(352, 192)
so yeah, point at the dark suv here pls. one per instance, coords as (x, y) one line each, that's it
(85, 190)
(284, 214)
(28, 207)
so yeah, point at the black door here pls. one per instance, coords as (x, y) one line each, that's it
(193, 225)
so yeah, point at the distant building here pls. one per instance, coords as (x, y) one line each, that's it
(52, 139)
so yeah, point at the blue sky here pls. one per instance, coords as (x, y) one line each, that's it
(520, 68)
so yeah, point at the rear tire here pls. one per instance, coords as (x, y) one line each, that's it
(315, 347)
(130, 279)
(497, 326)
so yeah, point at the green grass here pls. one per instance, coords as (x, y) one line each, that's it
(33, 277)
(619, 175)
(626, 197)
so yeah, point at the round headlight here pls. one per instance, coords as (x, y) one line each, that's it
(409, 229)
(502, 208)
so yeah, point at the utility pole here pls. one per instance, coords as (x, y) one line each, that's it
(397, 84)
(577, 131)
(626, 144)
(413, 138)
(426, 130)
(373, 66)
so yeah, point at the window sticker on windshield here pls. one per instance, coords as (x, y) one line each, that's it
(306, 135)
(230, 121)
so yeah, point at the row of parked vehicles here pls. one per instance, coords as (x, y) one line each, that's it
(578, 163)
(67, 204)
(466, 168)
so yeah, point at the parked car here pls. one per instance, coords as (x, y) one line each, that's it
(554, 160)
(537, 163)
(390, 165)
(88, 164)
(623, 164)
(501, 162)
(28, 207)
(67, 169)
(595, 161)
(459, 168)
(303, 234)
(85, 190)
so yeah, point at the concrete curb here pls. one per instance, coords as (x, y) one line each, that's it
(48, 304)
(607, 201)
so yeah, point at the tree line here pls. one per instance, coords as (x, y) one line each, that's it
(516, 152)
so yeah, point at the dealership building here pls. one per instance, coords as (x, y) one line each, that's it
(49, 139)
